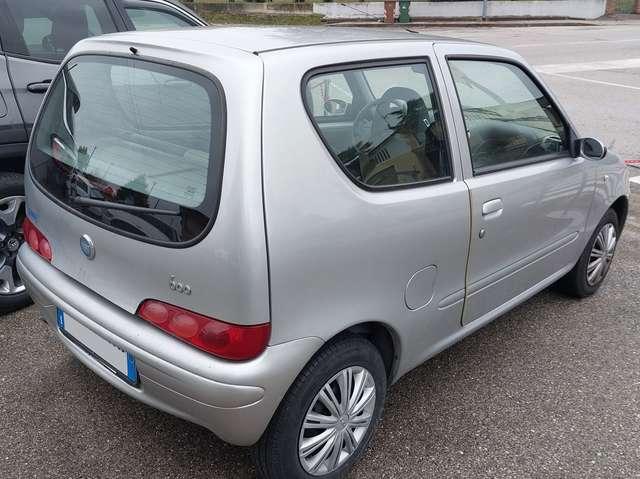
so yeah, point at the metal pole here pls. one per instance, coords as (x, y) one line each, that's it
(484, 9)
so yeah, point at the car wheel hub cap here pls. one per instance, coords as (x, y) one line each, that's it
(337, 421)
(11, 216)
(602, 251)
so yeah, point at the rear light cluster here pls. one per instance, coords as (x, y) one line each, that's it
(38, 242)
(228, 341)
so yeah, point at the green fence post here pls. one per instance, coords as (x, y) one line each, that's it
(404, 11)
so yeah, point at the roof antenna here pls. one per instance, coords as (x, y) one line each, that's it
(133, 50)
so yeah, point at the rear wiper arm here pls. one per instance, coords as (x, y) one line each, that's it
(122, 206)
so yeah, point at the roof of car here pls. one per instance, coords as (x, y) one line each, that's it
(256, 39)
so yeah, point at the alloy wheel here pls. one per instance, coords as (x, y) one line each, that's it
(337, 420)
(602, 252)
(11, 237)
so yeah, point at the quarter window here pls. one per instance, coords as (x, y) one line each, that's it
(509, 119)
(151, 19)
(390, 130)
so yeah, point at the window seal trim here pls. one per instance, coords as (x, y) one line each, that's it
(486, 170)
(220, 150)
(571, 135)
(372, 63)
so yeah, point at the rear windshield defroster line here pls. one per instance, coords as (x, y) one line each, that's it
(134, 146)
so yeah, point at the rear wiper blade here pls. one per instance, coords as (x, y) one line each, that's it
(122, 206)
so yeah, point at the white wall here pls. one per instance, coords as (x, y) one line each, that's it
(586, 9)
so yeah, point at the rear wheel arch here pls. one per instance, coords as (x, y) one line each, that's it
(621, 208)
(381, 336)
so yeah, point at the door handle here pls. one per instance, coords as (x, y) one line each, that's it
(39, 87)
(492, 209)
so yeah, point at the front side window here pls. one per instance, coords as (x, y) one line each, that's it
(509, 119)
(48, 30)
(152, 19)
(391, 130)
(132, 145)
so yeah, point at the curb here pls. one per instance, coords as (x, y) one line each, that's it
(488, 24)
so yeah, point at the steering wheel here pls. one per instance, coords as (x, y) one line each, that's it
(545, 143)
(377, 121)
(484, 152)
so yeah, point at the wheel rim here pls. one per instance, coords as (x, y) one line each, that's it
(602, 252)
(337, 421)
(11, 237)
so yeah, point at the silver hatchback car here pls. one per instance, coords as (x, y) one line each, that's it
(260, 229)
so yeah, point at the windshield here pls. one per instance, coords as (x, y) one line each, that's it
(133, 145)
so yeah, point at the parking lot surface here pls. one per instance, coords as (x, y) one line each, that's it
(551, 389)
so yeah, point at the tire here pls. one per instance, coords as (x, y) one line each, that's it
(578, 282)
(13, 295)
(277, 454)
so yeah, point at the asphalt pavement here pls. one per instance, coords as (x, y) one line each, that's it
(551, 389)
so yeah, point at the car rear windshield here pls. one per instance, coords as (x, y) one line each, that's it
(134, 146)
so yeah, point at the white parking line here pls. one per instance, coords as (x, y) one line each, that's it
(636, 180)
(590, 66)
(599, 82)
(586, 42)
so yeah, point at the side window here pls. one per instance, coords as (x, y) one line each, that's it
(48, 30)
(153, 19)
(508, 118)
(395, 134)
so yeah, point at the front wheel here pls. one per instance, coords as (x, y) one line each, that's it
(13, 294)
(591, 269)
(328, 416)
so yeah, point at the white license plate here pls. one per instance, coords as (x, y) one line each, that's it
(119, 362)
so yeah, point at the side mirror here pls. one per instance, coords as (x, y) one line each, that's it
(591, 148)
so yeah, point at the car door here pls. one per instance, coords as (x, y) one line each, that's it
(156, 14)
(13, 137)
(529, 196)
(37, 35)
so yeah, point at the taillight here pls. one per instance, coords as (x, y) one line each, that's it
(228, 341)
(36, 240)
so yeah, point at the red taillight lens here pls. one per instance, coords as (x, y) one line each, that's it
(228, 341)
(36, 240)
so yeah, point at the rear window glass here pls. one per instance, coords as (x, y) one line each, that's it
(133, 145)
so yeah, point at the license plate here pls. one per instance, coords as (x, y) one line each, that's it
(119, 362)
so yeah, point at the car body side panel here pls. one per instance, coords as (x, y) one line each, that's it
(612, 182)
(340, 255)
(23, 72)
(13, 136)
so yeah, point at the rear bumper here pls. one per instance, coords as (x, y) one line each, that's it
(234, 400)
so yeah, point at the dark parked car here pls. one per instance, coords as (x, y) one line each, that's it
(35, 35)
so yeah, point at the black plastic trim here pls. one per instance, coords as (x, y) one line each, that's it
(359, 65)
(221, 151)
